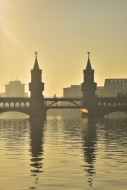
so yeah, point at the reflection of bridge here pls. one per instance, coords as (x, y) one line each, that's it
(37, 105)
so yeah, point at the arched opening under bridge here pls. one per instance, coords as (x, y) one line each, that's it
(13, 115)
(116, 115)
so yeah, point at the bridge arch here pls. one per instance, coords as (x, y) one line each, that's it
(114, 104)
(14, 114)
(17, 104)
(14, 109)
(22, 104)
(12, 104)
(27, 104)
(116, 114)
(6, 105)
(69, 101)
(1, 105)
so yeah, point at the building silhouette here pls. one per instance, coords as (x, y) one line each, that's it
(72, 91)
(15, 89)
(2, 94)
(112, 87)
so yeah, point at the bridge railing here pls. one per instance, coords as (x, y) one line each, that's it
(9, 97)
(62, 99)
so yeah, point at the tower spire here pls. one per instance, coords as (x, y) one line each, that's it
(36, 66)
(88, 62)
(35, 54)
(88, 54)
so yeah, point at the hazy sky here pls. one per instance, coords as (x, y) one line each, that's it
(62, 31)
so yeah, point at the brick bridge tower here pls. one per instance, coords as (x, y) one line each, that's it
(36, 88)
(88, 89)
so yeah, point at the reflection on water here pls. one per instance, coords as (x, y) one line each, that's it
(64, 153)
(116, 139)
(36, 136)
(89, 147)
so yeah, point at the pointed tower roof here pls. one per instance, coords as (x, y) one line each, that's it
(88, 67)
(36, 66)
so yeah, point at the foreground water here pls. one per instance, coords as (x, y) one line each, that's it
(64, 153)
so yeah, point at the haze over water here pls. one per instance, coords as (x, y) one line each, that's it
(64, 153)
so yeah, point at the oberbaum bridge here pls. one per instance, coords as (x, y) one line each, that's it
(36, 106)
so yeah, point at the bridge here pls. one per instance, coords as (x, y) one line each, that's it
(22, 104)
(37, 105)
(105, 105)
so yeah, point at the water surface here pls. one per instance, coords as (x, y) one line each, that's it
(66, 153)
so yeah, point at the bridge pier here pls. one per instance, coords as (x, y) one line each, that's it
(38, 110)
(92, 115)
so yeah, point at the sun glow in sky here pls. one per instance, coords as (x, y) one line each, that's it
(62, 31)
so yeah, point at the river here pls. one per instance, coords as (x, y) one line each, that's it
(65, 153)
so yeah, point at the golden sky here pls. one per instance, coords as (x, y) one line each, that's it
(62, 31)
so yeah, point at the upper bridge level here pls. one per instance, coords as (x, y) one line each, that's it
(14, 102)
(106, 105)
(22, 104)
(18, 104)
(112, 101)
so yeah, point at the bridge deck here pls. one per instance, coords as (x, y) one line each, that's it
(64, 107)
(63, 99)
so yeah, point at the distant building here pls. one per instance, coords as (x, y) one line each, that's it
(73, 91)
(112, 87)
(100, 91)
(15, 89)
